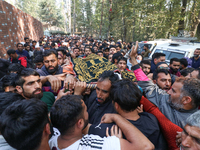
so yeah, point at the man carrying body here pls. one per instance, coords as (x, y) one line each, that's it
(51, 71)
(126, 98)
(29, 85)
(99, 101)
(178, 103)
(70, 123)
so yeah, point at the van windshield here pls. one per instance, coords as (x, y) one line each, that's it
(171, 54)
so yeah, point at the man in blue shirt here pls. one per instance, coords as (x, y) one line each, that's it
(20, 50)
(196, 59)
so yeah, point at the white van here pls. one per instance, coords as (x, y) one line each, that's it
(152, 44)
(176, 50)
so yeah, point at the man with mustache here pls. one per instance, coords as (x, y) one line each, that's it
(69, 115)
(29, 85)
(99, 101)
(178, 103)
(190, 136)
(196, 59)
(51, 73)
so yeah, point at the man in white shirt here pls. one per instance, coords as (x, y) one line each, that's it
(69, 115)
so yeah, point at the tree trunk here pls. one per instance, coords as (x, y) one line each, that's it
(195, 23)
(124, 24)
(134, 22)
(74, 19)
(101, 19)
(181, 25)
(109, 21)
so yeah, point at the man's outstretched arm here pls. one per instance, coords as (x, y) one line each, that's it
(135, 140)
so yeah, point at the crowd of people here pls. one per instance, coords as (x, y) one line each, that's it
(45, 105)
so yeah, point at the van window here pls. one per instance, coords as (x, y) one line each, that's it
(171, 54)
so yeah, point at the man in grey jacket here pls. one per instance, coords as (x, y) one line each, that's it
(178, 103)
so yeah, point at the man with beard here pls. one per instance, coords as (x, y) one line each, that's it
(162, 78)
(69, 115)
(196, 59)
(174, 66)
(178, 103)
(99, 101)
(190, 137)
(146, 66)
(51, 72)
(29, 85)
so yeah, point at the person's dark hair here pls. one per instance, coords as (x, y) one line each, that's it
(11, 51)
(184, 62)
(186, 71)
(110, 75)
(157, 71)
(88, 47)
(99, 52)
(19, 44)
(26, 38)
(49, 52)
(25, 73)
(106, 48)
(23, 122)
(53, 44)
(158, 55)
(15, 67)
(34, 42)
(46, 46)
(76, 48)
(112, 46)
(7, 98)
(145, 62)
(191, 88)
(61, 49)
(174, 59)
(25, 45)
(7, 80)
(116, 56)
(129, 47)
(122, 58)
(126, 94)
(146, 45)
(119, 45)
(66, 112)
(38, 59)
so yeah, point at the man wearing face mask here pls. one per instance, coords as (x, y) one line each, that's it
(196, 59)
(174, 66)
